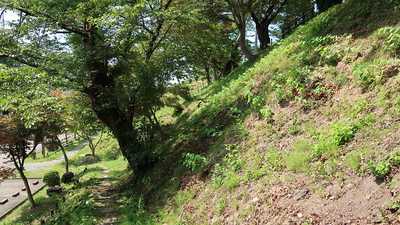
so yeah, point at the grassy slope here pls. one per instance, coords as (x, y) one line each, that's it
(308, 134)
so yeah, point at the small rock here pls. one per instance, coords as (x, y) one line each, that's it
(67, 177)
(54, 190)
(300, 215)
(255, 200)
(368, 197)
(301, 194)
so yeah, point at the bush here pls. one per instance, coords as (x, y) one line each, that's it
(51, 178)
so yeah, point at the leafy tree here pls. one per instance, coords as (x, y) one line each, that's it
(209, 41)
(52, 124)
(108, 50)
(262, 13)
(29, 97)
(84, 121)
(6, 172)
(294, 14)
(14, 143)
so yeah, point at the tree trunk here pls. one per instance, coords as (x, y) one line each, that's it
(91, 146)
(26, 183)
(44, 147)
(263, 35)
(59, 143)
(129, 144)
(239, 14)
(208, 77)
(65, 158)
(243, 45)
(105, 103)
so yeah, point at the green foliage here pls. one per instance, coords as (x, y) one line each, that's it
(51, 178)
(181, 90)
(132, 207)
(173, 101)
(81, 210)
(232, 180)
(324, 148)
(392, 205)
(380, 170)
(230, 163)
(383, 167)
(236, 114)
(293, 129)
(256, 104)
(221, 204)
(298, 159)
(365, 76)
(318, 50)
(275, 159)
(194, 162)
(292, 84)
(331, 54)
(342, 135)
(267, 113)
(212, 132)
(392, 38)
(352, 160)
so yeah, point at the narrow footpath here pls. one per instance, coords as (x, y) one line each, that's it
(106, 199)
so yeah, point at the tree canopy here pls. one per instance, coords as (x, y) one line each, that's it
(120, 54)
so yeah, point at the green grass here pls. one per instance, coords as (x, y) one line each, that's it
(54, 155)
(316, 106)
(81, 204)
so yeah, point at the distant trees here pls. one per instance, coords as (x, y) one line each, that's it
(263, 14)
(208, 40)
(33, 105)
(83, 120)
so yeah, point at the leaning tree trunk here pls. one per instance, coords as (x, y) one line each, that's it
(239, 15)
(60, 145)
(130, 146)
(20, 169)
(263, 35)
(65, 158)
(243, 46)
(106, 103)
(121, 126)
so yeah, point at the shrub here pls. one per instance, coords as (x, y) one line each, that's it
(194, 162)
(51, 178)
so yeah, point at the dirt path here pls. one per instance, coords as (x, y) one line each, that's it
(106, 199)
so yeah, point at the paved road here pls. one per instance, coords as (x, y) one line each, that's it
(43, 165)
(11, 186)
(4, 161)
(39, 166)
(12, 190)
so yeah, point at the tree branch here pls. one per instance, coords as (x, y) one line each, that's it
(60, 24)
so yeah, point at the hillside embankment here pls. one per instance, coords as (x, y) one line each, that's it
(308, 134)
